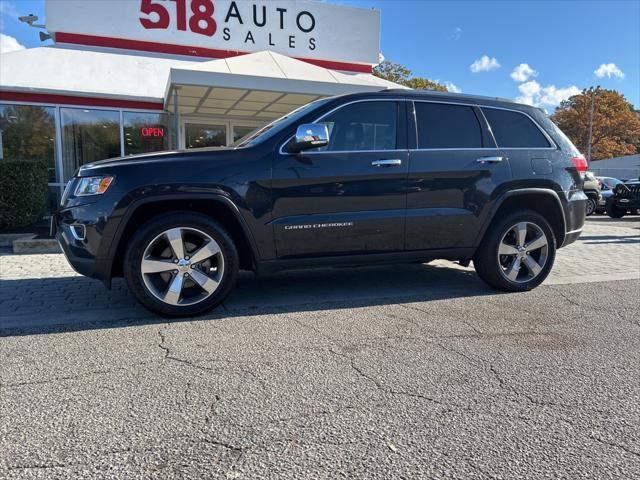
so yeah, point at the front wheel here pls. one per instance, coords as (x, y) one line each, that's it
(591, 206)
(615, 212)
(517, 252)
(181, 264)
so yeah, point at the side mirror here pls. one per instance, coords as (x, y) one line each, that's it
(310, 135)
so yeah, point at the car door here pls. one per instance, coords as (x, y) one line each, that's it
(454, 170)
(532, 153)
(348, 197)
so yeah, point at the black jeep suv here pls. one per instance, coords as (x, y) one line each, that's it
(625, 198)
(386, 177)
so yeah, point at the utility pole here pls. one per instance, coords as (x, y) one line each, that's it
(593, 104)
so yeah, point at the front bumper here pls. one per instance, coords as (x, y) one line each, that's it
(628, 203)
(80, 231)
(83, 266)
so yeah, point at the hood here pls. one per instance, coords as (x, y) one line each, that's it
(211, 153)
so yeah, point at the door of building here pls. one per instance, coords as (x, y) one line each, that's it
(205, 132)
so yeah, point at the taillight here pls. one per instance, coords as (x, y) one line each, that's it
(580, 163)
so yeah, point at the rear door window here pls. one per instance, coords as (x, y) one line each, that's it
(440, 125)
(514, 129)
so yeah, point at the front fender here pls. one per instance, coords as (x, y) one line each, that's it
(118, 225)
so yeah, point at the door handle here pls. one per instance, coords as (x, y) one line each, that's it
(490, 159)
(387, 163)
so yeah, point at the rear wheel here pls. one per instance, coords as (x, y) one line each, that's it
(591, 206)
(181, 264)
(517, 252)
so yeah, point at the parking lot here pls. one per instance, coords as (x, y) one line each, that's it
(417, 371)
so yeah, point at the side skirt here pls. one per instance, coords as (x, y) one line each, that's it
(267, 267)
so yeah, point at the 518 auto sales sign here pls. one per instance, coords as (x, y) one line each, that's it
(301, 29)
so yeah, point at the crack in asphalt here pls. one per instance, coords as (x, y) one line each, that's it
(211, 410)
(378, 384)
(476, 362)
(236, 366)
(360, 372)
(68, 378)
(228, 446)
(566, 297)
(505, 385)
(615, 445)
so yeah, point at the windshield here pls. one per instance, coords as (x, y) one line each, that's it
(611, 182)
(267, 131)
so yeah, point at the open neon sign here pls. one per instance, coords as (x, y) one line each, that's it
(147, 132)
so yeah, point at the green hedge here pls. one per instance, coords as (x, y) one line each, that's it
(23, 192)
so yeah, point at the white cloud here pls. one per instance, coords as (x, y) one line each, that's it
(609, 70)
(9, 44)
(530, 91)
(452, 87)
(455, 34)
(523, 72)
(553, 96)
(534, 94)
(484, 64)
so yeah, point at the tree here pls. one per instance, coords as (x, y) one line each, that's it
(616, 126)
(397, 73)
(421, 83)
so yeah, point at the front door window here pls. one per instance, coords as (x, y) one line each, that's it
(197, 135)
(362, 126)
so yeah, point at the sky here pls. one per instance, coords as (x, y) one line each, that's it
(538, 51)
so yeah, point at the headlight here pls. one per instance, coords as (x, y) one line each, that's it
(93, 185)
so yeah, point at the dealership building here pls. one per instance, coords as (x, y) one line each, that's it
(125, 77)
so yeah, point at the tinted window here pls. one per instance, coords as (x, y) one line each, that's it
(447, 126)
(514, 130)
(362, 126)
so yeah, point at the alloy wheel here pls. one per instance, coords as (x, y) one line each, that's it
(523, 252)
(182, 266)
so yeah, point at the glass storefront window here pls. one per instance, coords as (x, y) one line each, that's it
(240, 131)
(145, 132)
(28, 132)
(88, 136)
(198, 135)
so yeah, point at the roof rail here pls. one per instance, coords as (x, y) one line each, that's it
(446, 94)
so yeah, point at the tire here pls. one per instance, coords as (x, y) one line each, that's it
(615, 212)
(173, 284)
(591, 206)
(505, 271)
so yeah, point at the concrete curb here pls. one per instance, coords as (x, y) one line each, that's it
(7, 239)
(30, 244)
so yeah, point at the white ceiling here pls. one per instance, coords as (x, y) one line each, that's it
(217, 101)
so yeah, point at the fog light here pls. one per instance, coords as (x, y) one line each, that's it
(78, 232)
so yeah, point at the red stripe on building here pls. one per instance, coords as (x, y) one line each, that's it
(141, 45)
(55, 99)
